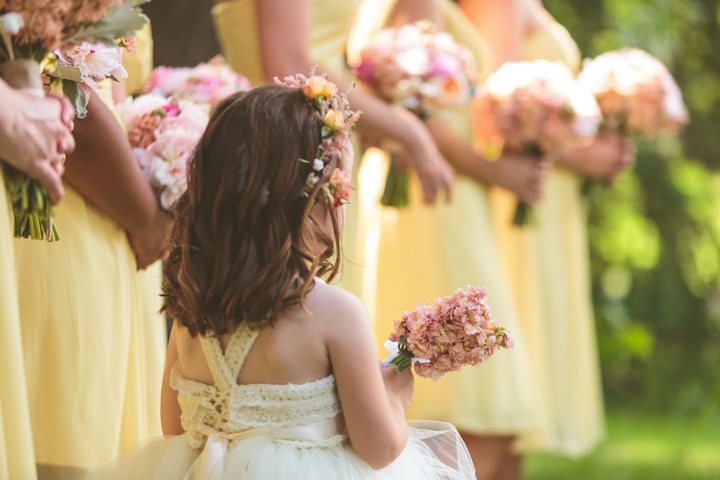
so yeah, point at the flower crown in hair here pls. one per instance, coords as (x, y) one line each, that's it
(338, 119)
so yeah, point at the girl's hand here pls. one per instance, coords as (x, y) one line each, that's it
(522, 175)
(399, 386)
(604, 159)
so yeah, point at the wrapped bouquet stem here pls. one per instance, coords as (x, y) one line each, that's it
(397, 182)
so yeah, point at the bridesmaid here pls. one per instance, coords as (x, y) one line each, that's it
(548, 264)
(92, 340)
(264, 39)
(426, 252)
(34, 137)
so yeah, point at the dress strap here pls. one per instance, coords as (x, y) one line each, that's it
(226, 367)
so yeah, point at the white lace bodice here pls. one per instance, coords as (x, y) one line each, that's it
(231, 408)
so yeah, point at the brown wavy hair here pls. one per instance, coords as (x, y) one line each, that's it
(243, 248)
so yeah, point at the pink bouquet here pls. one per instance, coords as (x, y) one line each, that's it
(635, 91)
(420, 69)
(454, 332)
(72, 41)
(206, 83)
(163, 133)
(534, 108)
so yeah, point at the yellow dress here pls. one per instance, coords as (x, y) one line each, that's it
(550, 273)
(93, 342)
(237, 31)
(16, 447)
(426, 252)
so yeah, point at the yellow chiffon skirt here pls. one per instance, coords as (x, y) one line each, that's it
(550, 274)
(16, 448)
(424, 252)
(93, 342)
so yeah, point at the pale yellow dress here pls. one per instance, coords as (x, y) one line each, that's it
(426, 252)
(17, 459)
(93, 342)
(550, 273)
(238, 34)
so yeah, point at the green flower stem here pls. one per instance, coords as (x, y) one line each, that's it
(31, 206)
(396, 185)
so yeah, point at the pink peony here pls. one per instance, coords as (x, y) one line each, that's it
(96, 62)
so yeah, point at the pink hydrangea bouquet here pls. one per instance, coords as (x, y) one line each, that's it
(536, 107)
(163, 133)
(636, 93)
(67, 40)
(456, 331)
(421, 69)
(205, 83)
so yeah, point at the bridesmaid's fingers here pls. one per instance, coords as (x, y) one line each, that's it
(50, 177)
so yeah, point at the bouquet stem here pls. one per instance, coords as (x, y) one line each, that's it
(402, 359)
(525, 214)
(31, 204)
(396, 184)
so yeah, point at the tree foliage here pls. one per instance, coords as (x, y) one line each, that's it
(655, 234)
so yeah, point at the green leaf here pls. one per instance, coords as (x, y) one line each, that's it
(77, 96)
(121, 21)
(326, 130)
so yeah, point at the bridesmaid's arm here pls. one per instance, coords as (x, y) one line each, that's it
(285, 38)
(503, 23)
(103, 169)
(519, 174)
(603, 159)
(411, 11)
(170, 410)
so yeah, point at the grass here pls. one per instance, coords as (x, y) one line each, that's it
(639, 447)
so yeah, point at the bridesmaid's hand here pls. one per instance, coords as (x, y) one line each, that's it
(434, 172)
(150, 243)
(520, 174)
(35, 136)
(603, 159)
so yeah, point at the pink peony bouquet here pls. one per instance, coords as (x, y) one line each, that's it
(206, 83)
(454, 332)
(421, 69)
(636, 93)
(74, 43)
(534, 108)
(163, 133)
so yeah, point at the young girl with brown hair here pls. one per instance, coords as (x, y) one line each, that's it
(271, 372)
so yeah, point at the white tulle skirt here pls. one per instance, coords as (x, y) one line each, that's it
(434, 451)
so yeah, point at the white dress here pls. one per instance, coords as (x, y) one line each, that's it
(263, 431)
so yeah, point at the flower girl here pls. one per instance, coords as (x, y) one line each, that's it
(272, 373)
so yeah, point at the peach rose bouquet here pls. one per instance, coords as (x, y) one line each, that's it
(74, 43)
(535, 108)
(205, 83)
(453, 332)
(636, 93)
(421, 69)
(163, 133)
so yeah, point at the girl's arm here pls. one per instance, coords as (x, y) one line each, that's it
(103, 169)
(373, 403)
(169, 406)
(285, 37)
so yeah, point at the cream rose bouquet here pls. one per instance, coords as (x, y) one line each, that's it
(636, 93)
(534, 108)
(453, 332)
(205, 83)
(421, 69)
(163, 133)
(73, 42)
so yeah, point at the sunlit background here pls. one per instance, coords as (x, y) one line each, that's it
(655, 246)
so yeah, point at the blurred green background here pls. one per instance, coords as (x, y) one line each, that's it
(655, 251)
